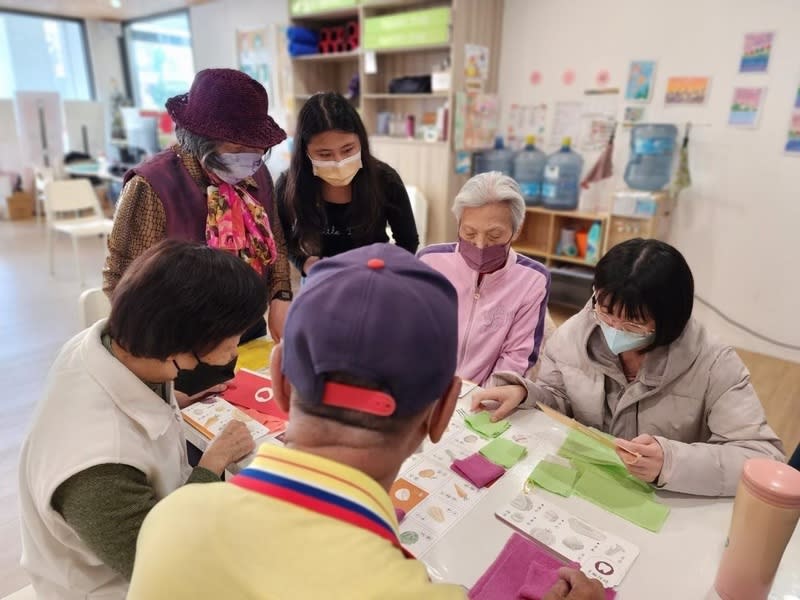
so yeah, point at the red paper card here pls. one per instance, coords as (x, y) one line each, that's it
(253, 393)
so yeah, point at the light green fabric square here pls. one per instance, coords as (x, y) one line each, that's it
(481, 424)
(626, 501)
(554, 478)
(503, 452)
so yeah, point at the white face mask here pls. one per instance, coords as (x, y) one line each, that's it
(240, 166)
(623, 341)
(337, 174)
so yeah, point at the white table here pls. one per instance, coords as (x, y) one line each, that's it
(678, 563)
(91, 169)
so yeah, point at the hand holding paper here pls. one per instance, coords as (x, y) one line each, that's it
(650, 462)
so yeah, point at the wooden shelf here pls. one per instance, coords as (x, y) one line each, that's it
(407, 49)
(330, 57)
(568, 213)
(327, 15)
(406, 96)
(573, 260)
(530, 250)
(404, 140)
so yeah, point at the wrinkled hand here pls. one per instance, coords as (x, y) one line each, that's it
(648, 467)
(574, 585)
(509, 397)
(233, 444)
(276, 318)
(183, 400)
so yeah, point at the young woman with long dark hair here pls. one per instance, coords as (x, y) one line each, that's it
(336, 196)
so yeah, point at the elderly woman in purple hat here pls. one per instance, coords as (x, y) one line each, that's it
(211, 187)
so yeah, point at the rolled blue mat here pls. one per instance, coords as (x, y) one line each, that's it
(302, 35)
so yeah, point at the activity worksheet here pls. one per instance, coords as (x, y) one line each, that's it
(432, 496)
(601, 555)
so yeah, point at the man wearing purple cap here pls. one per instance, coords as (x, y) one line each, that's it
(212, 187)
(366, 372)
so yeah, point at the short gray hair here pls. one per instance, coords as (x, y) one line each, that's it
(202, 148)
(493, 186)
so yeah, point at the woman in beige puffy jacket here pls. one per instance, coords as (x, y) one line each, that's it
(635, 364)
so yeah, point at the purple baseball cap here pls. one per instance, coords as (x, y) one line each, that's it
(376, 313)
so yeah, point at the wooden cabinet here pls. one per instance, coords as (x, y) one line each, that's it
(430, 166)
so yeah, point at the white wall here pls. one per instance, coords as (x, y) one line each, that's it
(738, 224)
(106, 61)
(214, 27)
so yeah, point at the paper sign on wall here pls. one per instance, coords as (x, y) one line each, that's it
(253, 56)
(687, 90)
(793, 137)
(525, 120)
(756, 52)
(566, 122)
(746, 106)
(641, 78)
(476, 62)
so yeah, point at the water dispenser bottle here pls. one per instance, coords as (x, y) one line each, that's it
(498, 159)
(652, 152)
(562, 177)
(528, 169)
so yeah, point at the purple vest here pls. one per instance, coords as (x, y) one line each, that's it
(185, 202)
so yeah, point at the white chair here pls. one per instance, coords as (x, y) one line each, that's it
(419, 206)
(41, 177)
(25, 593)
(65, 201)
(94, 305)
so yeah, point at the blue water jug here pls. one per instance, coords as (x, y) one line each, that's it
(562, 177)
(528, 170)
(498, 159)
(652, 152)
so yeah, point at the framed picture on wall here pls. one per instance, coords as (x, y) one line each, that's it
(746, 106)
(756, 52)
(793, 135)
(687, 90)
(641, 79)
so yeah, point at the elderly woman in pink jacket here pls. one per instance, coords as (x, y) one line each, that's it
(502, 296)
(635, 364)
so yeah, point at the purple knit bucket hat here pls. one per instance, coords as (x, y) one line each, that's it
(229, 106)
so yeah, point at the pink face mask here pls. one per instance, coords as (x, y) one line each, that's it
(483, 260)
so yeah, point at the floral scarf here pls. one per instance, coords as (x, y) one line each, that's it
(238, 223)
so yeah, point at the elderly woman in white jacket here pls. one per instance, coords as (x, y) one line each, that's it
(635, 364)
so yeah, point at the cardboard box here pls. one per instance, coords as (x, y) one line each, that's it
(19, 205)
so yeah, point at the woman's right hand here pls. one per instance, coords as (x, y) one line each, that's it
(310, 262)
(233, 444)
(509, 397)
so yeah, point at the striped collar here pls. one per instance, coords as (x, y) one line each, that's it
(323, 486)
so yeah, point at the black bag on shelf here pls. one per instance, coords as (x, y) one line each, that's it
(417, 84)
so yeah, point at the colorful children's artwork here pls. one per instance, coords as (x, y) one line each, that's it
(633, 115)
(687, 90)
(476, 119)
(641, 79)
(746, 106)
(601, 555)
(756, 52)
(476, 62)
(793, 138)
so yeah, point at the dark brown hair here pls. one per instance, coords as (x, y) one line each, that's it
(184, 297)
(647, 279)
(302, 197)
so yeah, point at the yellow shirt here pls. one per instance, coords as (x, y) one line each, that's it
(232, 540)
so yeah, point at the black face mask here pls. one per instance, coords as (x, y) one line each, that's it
(202, 377)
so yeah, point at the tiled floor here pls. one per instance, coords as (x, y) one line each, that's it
(39, 313)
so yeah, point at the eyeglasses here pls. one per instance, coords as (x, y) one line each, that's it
(616, 323)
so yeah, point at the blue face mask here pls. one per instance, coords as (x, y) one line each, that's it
(240, 166)
(623, 341)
